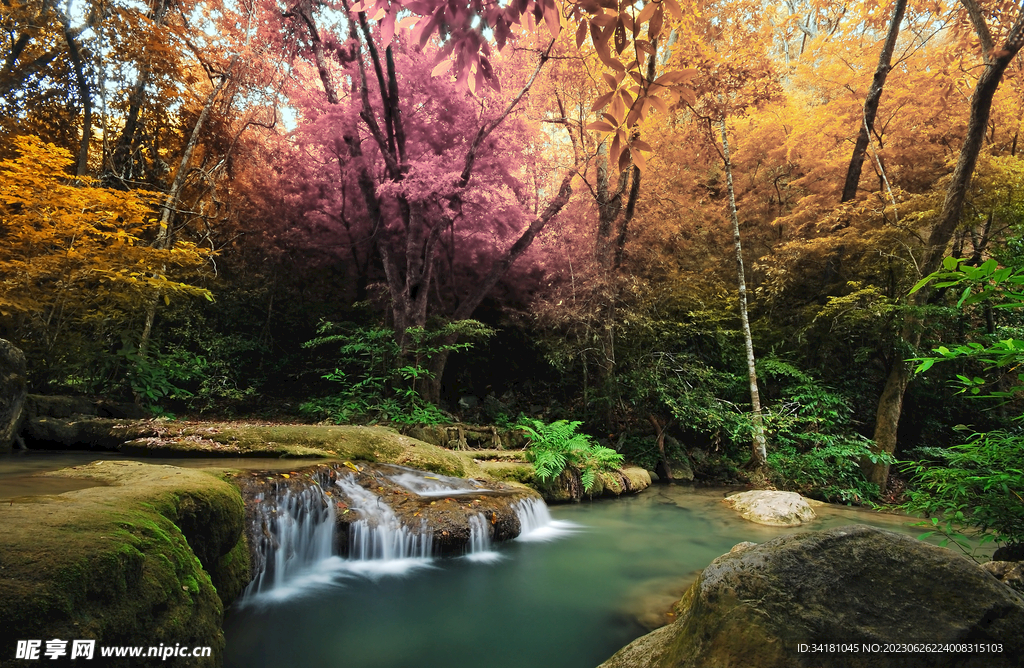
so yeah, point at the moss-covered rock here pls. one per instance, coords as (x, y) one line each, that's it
(124, 563)
(856, 585)
(345, 442)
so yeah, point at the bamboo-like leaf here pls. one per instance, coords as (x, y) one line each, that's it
(620, 37)
(602, 101)
(624, 159)
(657, 20)
(646, 13)
(600, 126)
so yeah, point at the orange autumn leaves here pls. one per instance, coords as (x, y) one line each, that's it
(73, 251)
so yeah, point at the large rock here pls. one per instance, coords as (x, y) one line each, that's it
(779, 509)
(13, 386)
(150, 555)
(857, 588)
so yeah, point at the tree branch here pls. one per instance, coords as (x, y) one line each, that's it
(488, 128)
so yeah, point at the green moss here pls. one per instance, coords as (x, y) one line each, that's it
(520, 472)
(232, 572)
(124, 563)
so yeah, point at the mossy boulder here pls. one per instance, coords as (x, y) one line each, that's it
(569, 487)
(149, 556)
(852, 585)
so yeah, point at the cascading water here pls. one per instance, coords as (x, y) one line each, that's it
(422, 484)
(294, 537)
(536, 524)
(298, 528)
(379, 542)
(479, 546)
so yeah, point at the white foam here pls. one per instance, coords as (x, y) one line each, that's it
(488, 557)
(536, 525)
(378, 568)
(435, 485)
(552, 531)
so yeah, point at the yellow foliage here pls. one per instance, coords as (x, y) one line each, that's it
(71, 251)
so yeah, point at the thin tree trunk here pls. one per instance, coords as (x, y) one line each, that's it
(996, 61)
(871, 102)
(86, 94)
(121, 157)
(664, 469)
(759, 448)
(164, 237)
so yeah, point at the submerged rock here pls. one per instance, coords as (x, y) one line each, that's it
(857, 588)
(151, 557)
(780, 509)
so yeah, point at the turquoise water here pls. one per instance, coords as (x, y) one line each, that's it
(568, 603)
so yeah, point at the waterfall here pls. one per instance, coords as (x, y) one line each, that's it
(479, 546)
(293, 537)
(423, 484)
(536, 524)
(379, 542)
(292, 529)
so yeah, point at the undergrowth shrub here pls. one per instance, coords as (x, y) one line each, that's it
(380, 382)
(974, 489)
(814, 449)
(557, 445)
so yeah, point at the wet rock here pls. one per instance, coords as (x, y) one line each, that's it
(13, 386)
(678, 461)
(62, 406)
(739, 547)
(569, 487)
(1010, 573)
(84, 433)
(855, 585)
(446, 516)
(784, 509)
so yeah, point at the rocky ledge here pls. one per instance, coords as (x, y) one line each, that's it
(860, 587)
(162, 438)
(150, 555)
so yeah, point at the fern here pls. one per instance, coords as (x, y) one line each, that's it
(557, 445)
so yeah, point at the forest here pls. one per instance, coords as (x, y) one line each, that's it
(781, 239)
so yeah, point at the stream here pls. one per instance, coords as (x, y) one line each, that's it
(602, 578)
(568, 594)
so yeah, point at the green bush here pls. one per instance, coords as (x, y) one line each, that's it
(557, 445)
(829, 471)
(814, 449)
(974, 488)
(382, 381)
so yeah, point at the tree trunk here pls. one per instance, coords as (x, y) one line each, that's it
(432, 386)
(122, 155)
(86, 94)
(759, 448)
(164, 237)
(871, 102)
(664, 469)
(996, 61)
